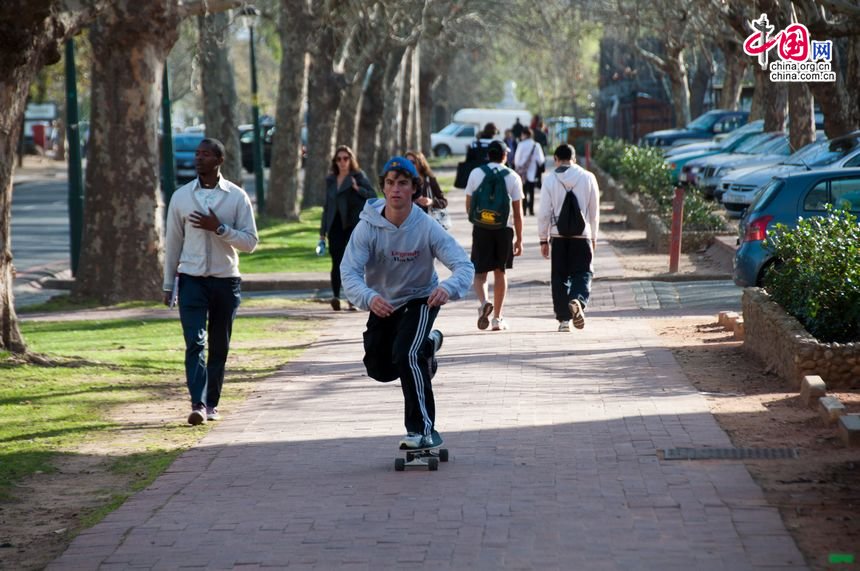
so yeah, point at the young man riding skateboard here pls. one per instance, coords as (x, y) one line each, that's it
(388, 269)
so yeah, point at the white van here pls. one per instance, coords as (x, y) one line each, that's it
(456, 137)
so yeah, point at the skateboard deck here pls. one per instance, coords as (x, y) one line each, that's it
(428, 457)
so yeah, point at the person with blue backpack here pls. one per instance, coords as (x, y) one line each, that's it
(494, 195)
(568, 220)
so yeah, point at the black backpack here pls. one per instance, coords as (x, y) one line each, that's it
(570, 221)
(491, 204)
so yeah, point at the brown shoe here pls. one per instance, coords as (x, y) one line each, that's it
(335, 303)
(577, 313)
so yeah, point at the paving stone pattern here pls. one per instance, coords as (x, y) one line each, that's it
(554, 466)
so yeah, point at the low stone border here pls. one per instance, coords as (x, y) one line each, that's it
(785, 346)
(660, 238)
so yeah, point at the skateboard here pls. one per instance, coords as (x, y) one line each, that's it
(429, 456)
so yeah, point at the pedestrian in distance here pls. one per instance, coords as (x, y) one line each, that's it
(528, 160)
(476, 154)
(209, 220)
(429, 196)
(494, 196)
(347, 188)
(389, 269)
(568, 222)
(511, 142)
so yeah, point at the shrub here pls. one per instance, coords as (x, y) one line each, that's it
(818, 277)
(700, 214)
(607, 153)
(643, 171)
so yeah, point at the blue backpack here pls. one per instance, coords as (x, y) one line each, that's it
(491, 203)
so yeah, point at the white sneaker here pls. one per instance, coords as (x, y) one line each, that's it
(212, 413)
(500, 324)
(411, 440)
(436, 337)
(197, 416)
(564, 326)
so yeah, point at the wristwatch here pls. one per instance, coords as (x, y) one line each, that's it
(220, 230)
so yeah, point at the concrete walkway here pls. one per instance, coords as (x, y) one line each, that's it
(554, 441)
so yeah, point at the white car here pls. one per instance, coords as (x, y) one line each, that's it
(454, 139)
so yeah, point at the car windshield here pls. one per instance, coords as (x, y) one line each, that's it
(754, 144)
(822, 153)
(704, 122)
(741, 133)
(777, 146)
(450, 129)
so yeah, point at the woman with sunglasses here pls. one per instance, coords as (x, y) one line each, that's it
(347, 189)
(428, 195)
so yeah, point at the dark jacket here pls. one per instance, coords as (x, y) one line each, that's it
(345, 201)
(431, 189)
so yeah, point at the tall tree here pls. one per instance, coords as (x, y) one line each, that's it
(295, 30)
(122, 242)
(32, 33)
(220, 114)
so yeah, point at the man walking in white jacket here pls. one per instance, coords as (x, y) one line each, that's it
(571, 260)
(208, 220)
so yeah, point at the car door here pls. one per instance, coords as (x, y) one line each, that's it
(843, 192)
(464, 138)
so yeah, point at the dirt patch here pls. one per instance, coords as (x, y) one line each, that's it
(817, 494)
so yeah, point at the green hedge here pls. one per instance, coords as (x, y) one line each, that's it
(644, 172)
(818, 277)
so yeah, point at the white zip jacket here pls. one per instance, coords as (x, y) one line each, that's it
(587, 194)
(197, 252)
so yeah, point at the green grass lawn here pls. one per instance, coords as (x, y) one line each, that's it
(287, 246)
(103, 366)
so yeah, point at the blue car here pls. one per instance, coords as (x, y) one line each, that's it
(184, 148)
(702, 128)
(783, 200)
(678, 157)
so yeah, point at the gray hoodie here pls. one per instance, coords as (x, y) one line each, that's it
(397, 263)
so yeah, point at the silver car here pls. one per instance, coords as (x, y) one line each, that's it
(764, 148)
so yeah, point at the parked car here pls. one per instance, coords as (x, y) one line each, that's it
(453, 139)
(714, 144)
(703, 128)
(678, 160)
(761, 149)
(246, 145)
(740, 188)
(184, 148)
(783, 200)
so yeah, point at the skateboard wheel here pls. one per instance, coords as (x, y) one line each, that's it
(432, 464)
(399, 464)
(443, 454)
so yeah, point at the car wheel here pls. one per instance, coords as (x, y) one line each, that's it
(442, 151)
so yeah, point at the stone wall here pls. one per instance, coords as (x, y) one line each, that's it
(660, 238)
(785, 346)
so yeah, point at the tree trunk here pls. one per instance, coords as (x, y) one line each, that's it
(31, 35)
(801, 127)
(840, 104)
(123, 211)
(347, 115)
(736, 65)
(701, 79)
(220, 114)
(392, 112)
(370, 120)
(772, 100)
(425, 103)
(284, 178)
(406, 100)
(413, 129)
(677, 72)
(325, 91)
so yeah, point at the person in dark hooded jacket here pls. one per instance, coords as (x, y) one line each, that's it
(347, 188)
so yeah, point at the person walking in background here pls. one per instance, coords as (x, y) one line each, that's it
(476, 154)
(347, 188)
(493, 250)
(569, 236)
(511, 142)
(539, 134)
(208, 220)
(429, 195)
(528, 159)
(389, 269)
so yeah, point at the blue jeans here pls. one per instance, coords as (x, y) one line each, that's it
(570, 276)
(215, 300)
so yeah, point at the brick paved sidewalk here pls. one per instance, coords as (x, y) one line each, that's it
(554, 464)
